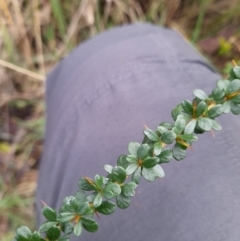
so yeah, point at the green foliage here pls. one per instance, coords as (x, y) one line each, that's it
(106, 208)
(111, 190)
(143, 160)
(23, 234)
(53, 233)
(49, 213)
(225, 47)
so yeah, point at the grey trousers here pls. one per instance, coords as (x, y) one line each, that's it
(98, 99)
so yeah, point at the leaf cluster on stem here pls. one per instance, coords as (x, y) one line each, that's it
(102, 195)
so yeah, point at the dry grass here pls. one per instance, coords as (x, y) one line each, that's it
(36, 34)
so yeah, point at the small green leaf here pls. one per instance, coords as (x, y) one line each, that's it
(99, 181)
(215, 111)
(118, 174)
(198, 130)
(146, 140)
(235, 72)
(128, 189)
(166, 155)
(62, 209)
(226, 108)
(78, 228)
(64, 238)
(235, 108)
(90, 197)
(36, 236)
(236, 99)
(122, 162)
(178, 152)
(157, 148)
(176, 111)
(189, 129)
(49, 213)
(187, 107)
(185, 117)
(216, 126)
(53, 233)
(223, 84)
(106, 208)
(23, 233)
(86, 184)
(218, 93)
(46, 225)
(131, 168)
(167, 125)
(97, 200)
(143, 151)
(201, 108)
(168, 137)
(108, 168)
(84, 208)
(179, 125)
(200, 94)
(204, 123)
(70, 203)
(131, 159)
(162, 129)
(158, 169)
(80, 196)
(67, 227)
(233, 86)
(111, 190)
(149, 174)
(89, 224)
(136, 177)
(123, 201)
(133, 148)
(65, 217)
(151, 135)
(194, 138)
(149, 162)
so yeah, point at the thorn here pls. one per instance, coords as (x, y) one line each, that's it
(97, 215)
(185, 144)
(43, 203)
(234, 62)
(213, 135)
(145, 126)
(195, 103)
(89, 180)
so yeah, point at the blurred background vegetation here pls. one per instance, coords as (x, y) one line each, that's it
(36, 34)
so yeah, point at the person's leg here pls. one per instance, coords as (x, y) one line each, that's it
(98, 99)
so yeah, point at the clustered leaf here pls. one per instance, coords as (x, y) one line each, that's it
(143, 160)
